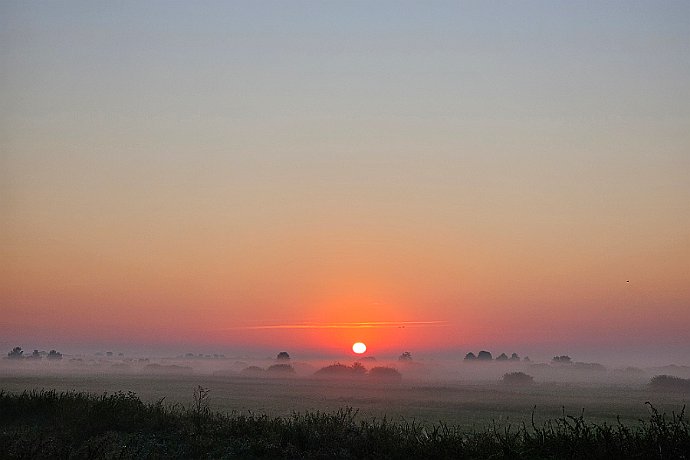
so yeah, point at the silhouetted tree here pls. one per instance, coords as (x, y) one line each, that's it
(358, 369)
(405, 356)
(283, 356)
(484, 356)
(52, 354)
(35, 355)
(16, 353)
(470, 356)
(526, 359)
(514, 357)
(563, 359)
(502, 357)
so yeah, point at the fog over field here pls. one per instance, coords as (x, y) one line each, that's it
(466, 392)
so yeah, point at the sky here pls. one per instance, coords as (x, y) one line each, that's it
(423, 176)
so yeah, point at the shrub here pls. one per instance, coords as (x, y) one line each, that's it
(281, 369)
(338, 370)
(596, 367)
(252, 371)
(385, 374)
(517, 378)
(669, 383)
(167, 369)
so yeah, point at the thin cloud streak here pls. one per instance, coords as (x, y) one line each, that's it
(362, 325)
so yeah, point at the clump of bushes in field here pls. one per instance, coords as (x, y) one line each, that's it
(252, 371)
(357, 370)
(517, 378)
(385, 374)
(280, 370)
(167, 369)
(669, 383)
(339, 371)
(275, 370)
(49, 424)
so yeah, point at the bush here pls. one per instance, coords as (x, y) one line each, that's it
(669, 383)
(385, 374)
(338, 370)
(167, 369)
(253, 371)
(281, 369)
(517, 378)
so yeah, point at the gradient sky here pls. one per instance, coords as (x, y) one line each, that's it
(486, 174)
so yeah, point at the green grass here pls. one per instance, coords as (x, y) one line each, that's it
(40, 424)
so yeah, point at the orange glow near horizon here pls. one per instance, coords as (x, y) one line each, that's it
(273, 185)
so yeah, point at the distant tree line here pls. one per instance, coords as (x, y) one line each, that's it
(486, 356)
(18, 353)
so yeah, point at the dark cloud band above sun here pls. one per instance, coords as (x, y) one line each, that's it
(352, 325)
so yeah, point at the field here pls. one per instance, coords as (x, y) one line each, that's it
(467, 405)
(69, 424)
(209, 408)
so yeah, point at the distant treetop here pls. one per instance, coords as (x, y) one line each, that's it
(283, 356)
(484, 356)
(405, 356)
(54, 355)
(16, 353)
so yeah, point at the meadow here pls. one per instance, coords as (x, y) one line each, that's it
(468, 408)
(469, 405)
(52, 424)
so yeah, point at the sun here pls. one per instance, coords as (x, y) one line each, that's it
(359, 348)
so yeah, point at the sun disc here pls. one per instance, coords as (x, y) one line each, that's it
(359, 348)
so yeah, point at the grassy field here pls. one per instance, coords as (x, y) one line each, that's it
(51, 424)
(466, 405)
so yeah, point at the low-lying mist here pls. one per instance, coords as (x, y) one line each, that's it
(470, 368)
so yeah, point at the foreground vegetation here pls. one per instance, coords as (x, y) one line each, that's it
(80, 425)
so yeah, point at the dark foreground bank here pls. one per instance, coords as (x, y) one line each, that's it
(49, 424)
